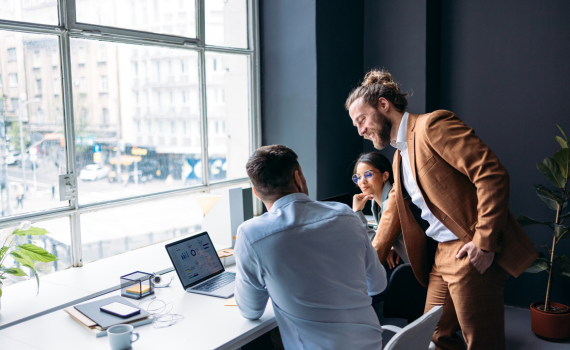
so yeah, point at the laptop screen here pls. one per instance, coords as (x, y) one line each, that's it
(194, 259)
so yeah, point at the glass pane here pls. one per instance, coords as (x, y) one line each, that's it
(173, 17)
(226, 23)
(137, 118)
(227, 91)
(56, 242)
(113, 231)
(31, 118)
(32, 11)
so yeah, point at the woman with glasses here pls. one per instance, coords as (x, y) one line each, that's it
(373, 175)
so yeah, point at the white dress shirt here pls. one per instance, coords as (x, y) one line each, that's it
(316, 262)
(436, 230)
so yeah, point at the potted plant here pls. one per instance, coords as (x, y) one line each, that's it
(25, 253)
(551, 320)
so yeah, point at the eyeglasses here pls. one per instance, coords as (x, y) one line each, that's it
(367, 175)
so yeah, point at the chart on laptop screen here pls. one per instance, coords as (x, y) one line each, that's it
(195, 258)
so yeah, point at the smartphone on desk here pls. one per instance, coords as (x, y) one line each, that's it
(120, 310)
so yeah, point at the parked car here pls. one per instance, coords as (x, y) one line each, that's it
(11, 158)
(94, 172)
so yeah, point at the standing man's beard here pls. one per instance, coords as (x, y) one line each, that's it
(381, 130)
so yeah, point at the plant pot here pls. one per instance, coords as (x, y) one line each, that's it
(547, 325)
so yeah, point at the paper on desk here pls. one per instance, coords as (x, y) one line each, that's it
(207, 203)
(231, 302)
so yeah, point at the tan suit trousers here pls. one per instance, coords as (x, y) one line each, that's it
(471, 302)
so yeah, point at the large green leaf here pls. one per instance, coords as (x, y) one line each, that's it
(13, 271)
(562, 157)
(526, 221)
(551, 169)
(538, 265)
(563, 263)
(36, 253)
(561, 141)
(560, 231)
(32, 231)
(3, 251)
(562, 131)
(549, 197)
(22, 259)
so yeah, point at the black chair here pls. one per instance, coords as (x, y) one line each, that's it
(405, 296)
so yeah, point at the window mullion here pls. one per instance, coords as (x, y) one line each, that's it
(204, 118)
(76, 254)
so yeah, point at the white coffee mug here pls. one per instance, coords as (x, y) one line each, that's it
(121, 336)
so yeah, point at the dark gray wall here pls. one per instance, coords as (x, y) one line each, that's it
(311, 57)
(289, 80)
(505, 71)
(339, 67)
(395, 39)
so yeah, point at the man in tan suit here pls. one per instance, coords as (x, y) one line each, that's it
(450, 198)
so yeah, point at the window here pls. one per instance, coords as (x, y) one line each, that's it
(104, 85)
(81, 56)
(54, 58)
(105, 116)
(102, 57)
(13, 78)
(12, 54)
(15, 104)
(136, 90)
(56, 87)
(37, 59)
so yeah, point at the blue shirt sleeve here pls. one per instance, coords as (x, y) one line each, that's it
(250, 293)
(375, 272)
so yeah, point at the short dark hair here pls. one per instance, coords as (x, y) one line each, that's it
(377, 160)
(271, 170)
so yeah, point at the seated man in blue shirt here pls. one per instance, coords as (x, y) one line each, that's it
(314, 259)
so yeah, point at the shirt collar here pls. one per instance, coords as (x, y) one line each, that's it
(401, 143)
(281, 202)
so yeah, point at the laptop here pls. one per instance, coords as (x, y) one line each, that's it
(199, 268)
(344, 198)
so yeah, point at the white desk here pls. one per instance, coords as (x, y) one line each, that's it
(207, 324)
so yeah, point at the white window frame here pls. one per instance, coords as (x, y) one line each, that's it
(68, 28)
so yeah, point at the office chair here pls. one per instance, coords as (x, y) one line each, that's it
(405, 296)
(416, 335)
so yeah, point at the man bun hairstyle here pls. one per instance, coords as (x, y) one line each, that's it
(271, 170)
(376, 84)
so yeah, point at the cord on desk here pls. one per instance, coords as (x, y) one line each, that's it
(161, 318)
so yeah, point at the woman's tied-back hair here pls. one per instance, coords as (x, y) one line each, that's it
(376, 84)
(377, 160)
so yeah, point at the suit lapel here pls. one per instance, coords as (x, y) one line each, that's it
(414, 237)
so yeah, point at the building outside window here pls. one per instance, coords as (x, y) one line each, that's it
(12, 54)
(13, 79)
(104, 88)
(169, 55)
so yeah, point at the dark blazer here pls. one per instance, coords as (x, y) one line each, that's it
(465, 187)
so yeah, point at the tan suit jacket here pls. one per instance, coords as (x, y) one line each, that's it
(465, 187)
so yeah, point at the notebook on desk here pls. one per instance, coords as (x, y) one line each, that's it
(106, 320)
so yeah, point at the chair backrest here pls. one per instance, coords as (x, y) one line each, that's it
(417, 335)
(405, 296)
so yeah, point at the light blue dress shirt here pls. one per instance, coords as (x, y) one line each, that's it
(316, 262)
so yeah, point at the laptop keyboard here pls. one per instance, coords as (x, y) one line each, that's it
(216, 282)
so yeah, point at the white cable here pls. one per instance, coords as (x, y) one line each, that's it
(161, 317)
